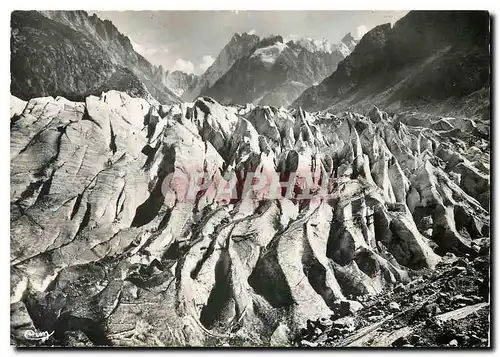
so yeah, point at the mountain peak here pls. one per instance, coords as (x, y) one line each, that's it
(95, 48)
(271, 40)
(419, 56)
(347, 44)
(276, 71)
(347, 38)
(243, 35)
(239, 46)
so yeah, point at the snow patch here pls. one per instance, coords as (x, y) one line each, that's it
(269, 54)
(347, 44)
(311, 45)
(342, 47)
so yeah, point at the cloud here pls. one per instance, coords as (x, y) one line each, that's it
(184, 66)
(252, 32)
(206, 62)
(360, 31)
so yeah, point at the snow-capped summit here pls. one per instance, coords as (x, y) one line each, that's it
(276, 71)
(272, 70)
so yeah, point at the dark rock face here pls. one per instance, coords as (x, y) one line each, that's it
(71, 54)
(106, 251)
(427, 58)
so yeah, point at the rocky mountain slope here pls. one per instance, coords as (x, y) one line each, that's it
(115, 240)
(240, 45)
(179, 82)
(431, 61)
(446, 307)
(275, 71)
(71, 54)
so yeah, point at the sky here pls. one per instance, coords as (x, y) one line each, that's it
(191, 40)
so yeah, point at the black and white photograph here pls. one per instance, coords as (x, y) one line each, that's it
(305, 179)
